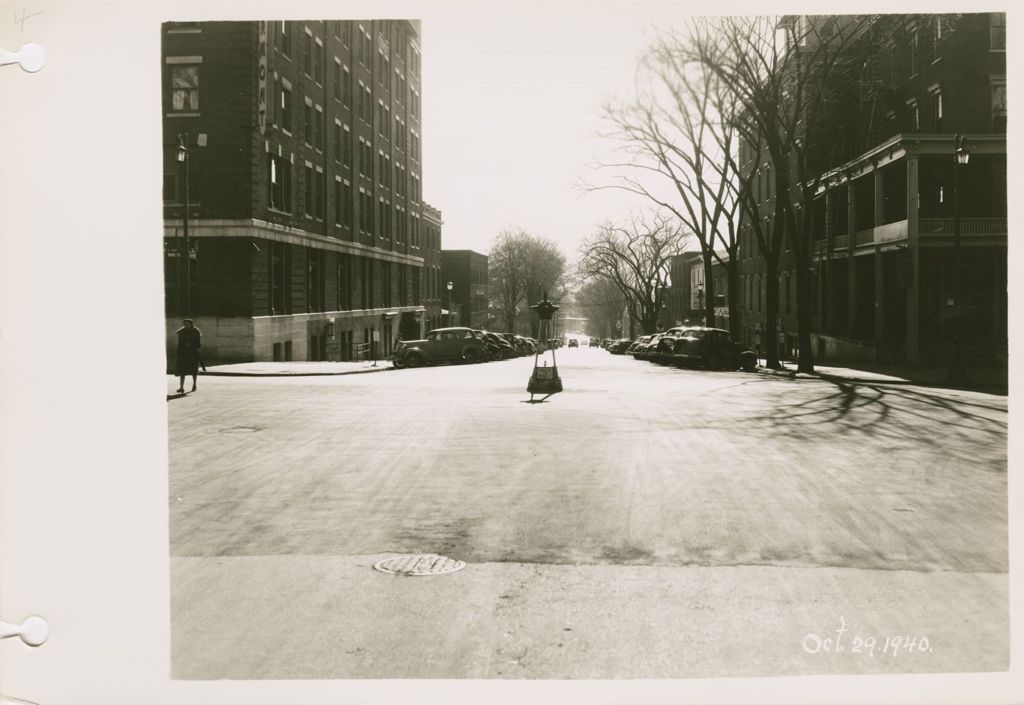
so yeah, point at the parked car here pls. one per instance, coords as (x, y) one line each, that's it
(441, 345)
(594, 343)
(618, 347)
(573, 343)
(644, 350)
(712, 348)
(505, 349)
(665, 349)
(641, 341)
(493, 350)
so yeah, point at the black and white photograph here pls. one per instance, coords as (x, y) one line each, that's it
(599, 347)
(461, 352)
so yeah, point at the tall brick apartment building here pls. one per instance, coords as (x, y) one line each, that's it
(884, 265)
(306, 222)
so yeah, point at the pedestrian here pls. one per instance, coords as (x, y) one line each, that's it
(190, 340)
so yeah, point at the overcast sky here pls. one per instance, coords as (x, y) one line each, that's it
(512, 98)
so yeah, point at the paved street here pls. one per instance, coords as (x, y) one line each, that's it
(647, 522)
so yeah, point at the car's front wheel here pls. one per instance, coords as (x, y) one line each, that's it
(470, 356)
(414, 360)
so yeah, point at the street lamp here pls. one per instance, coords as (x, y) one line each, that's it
(450, 287)
(182, 158)
(700, 304)
(961, 156)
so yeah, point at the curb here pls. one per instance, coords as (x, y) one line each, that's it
(792, 374)
(293, 374)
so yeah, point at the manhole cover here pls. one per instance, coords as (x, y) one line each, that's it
(422, 564)
(240, 429)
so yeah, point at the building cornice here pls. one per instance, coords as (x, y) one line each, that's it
(253, 228)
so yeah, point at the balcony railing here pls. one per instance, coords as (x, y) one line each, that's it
(968, 226)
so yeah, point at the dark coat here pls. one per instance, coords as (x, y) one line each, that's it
(188, 360)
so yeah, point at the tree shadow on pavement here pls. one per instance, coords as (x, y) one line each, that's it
(885, 412)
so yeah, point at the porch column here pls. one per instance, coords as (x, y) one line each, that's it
(879, 218)
(914, 283)
(880, 340)
(851, 268)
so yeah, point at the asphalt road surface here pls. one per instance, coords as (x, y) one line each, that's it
(647, 522)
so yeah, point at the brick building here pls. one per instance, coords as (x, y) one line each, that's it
(885, 267)
(307, 233)
(434, 291)
(467, 271)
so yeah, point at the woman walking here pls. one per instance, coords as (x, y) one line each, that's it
(190, 339)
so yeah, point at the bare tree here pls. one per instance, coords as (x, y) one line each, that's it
(678, 141)
(636, 256)
(602, 300)
(787, 74)
(521, 267)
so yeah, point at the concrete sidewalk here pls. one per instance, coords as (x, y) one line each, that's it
(991, 380)
(295, 369)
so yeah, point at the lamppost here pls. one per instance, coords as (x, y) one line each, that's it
(702, 318)
(450, 287)
(961, 155)
(182, 157)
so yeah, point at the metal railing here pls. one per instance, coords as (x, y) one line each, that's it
(968, 226)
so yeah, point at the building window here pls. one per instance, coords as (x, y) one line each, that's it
(361, 44)
(307, 201)
(307, 128)
(336, 142)
(315, 281)
(284, 39)
(368, 287)
(318, 129)
(185, 89)
(318, 62)
(318, 195)
(344, 281)
(307, 54)
(286, 108)
(346, 192)
(999, 104)
(913, 116)
(336, 28)
(280, 184)
(280, 291)
(936, 47)
(337, 80)
(368, 160)
(997, 31)
(346, 88)
(936, 98)
(913, 53)
(346, 147)
(365, 211)
(385, 283)
(338, 203)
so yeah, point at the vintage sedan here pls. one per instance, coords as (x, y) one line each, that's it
(441, 345)
(618, 347)
(643, 351)
(505, 349)
(711, 348)
(662, 354)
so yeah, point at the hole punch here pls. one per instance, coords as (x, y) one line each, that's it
(31, 57)
(33, 631)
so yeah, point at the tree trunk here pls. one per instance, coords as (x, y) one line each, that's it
(709, 289)
(804, 296)
(771, 326)
(733, 272)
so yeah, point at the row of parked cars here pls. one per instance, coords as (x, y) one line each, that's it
(459, 344)
(688, 346)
